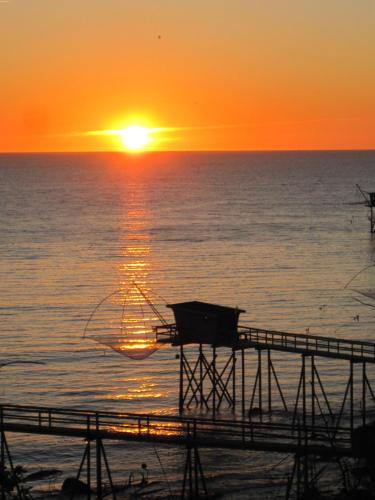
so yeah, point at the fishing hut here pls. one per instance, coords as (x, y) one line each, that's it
(209, 325)
(369, 201)
(204, 323)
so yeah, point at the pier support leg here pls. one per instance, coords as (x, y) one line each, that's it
(100, 453)
(300, 478)
(257, 388)
(181, 394)
(214, 381)
(312, 391)
(269, 380)
(364, 387)
(201, 379)
(304, 391)
(194, 483)
(260, 381)
(202, 374)
(351, 399)
(234, 360)
(99, 484)
(5, 455)
(2, 463)
(243, 381)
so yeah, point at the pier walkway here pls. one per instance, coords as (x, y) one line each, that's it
(177, 430)
(203, 383)
(313, 345)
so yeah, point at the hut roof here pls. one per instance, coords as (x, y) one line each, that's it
(205, 308)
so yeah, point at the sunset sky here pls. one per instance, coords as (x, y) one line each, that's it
(201, 74)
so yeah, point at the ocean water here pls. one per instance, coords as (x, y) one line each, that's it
(276, 234)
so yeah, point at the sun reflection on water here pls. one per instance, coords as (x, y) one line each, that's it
(125, 319)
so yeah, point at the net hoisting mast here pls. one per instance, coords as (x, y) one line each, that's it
(369, 197)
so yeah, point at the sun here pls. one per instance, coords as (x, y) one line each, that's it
(135, 138)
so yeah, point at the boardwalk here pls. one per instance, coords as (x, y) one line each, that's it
(313, 345)
(202, 383)
(176, 430)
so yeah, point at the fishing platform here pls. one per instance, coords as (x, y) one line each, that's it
(210, 344)
(207, 327)
(369, 201)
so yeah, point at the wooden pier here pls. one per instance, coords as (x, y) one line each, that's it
(210, 346)
(176, 430)
(96, 428)
(203, 384)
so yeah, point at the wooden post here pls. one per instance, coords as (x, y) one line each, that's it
(260, 381)
(181, 395)
(2, 451)
(234, 359)
(351, 399)
(99, 490)
(312, 391)
(243, 380)
(304, 391)
(269, 380)
(201, 373)
(364, 393)
(214, 379)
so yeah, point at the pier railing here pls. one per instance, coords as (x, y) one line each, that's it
(248, 337)
(176, 429)
(310, 344)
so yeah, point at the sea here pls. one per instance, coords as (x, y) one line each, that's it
(284, 236)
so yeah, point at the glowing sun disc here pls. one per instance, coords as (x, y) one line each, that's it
(135, 138)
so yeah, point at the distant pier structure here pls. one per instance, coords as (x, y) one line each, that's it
(369, 200)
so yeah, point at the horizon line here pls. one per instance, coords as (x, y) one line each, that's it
(143, 153)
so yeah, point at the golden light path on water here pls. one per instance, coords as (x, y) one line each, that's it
(129, 327)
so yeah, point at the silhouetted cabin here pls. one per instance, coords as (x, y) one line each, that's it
(203, 323)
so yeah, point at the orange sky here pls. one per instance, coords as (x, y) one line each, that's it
(226, 75)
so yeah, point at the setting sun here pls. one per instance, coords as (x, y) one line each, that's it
(135, 138)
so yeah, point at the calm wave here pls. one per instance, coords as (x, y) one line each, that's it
(277, 234)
